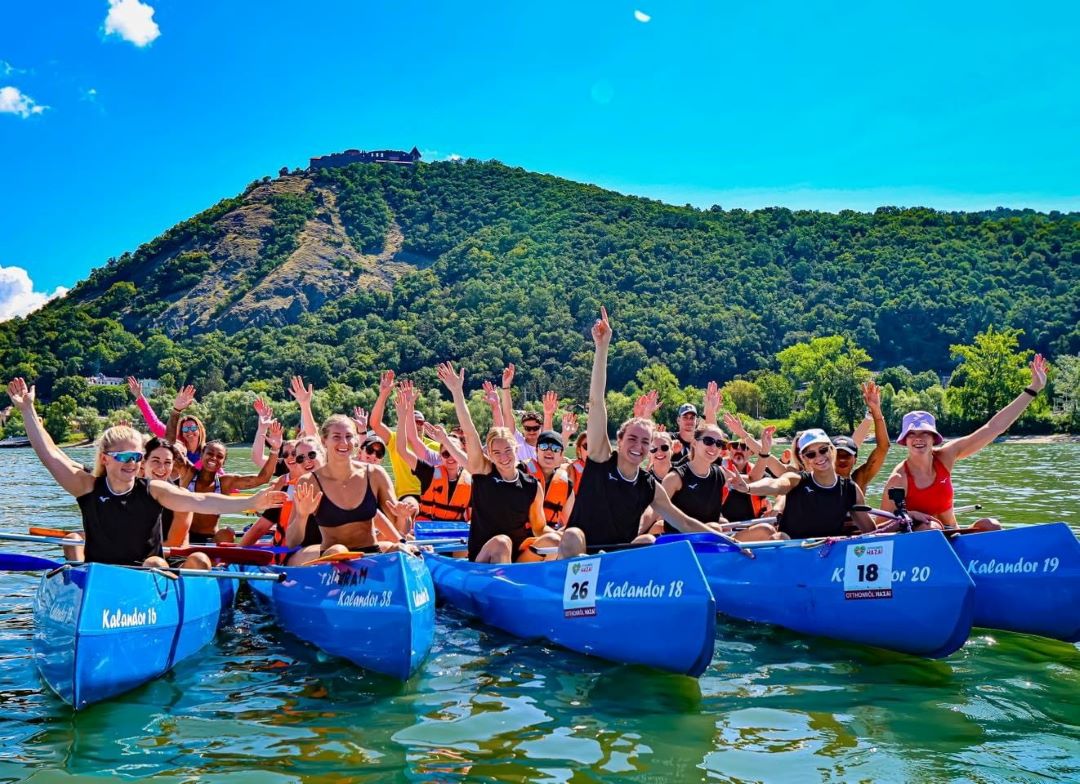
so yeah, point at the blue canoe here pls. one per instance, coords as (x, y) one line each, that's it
(648, 606)
(439, 529)
(903, 592)
(101, 630)
(378, 612)
(1027, 579)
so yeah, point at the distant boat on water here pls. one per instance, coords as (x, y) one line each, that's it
(14, 442)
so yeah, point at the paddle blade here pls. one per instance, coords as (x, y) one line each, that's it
(18, 562)
(58, 532)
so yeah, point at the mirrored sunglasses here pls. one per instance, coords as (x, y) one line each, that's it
(549, 448)
(126, 457)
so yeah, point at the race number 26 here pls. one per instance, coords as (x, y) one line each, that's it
(579, 588)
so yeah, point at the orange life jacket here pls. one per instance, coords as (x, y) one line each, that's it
(556, 493)
(436, 503)
(278, 533)
(758, 503)
(575, 470)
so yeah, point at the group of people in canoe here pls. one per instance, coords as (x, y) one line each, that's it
(516, 488)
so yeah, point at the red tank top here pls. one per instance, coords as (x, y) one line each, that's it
(935, 499)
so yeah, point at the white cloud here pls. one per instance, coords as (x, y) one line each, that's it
(17, 295)
(642, 17)
(133, 21)
(14, 101)
(453, 157)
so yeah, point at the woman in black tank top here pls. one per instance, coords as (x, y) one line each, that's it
(507, 502)
(696, 486)
(817, 502)
(121, 511)
(345, 497)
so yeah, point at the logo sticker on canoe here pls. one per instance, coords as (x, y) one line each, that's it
(579, 588)
(868, 571)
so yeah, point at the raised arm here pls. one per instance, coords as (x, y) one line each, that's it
(865, 473)
(403, 404)
(768, 486)
(386, 386)
(551, 405)
(230, 483)
(714, 398)
(647, 405)
(569, 428)
(302, 395)
(491, 397)
(596, 430)
(155, 425)
(735, 426)
(258, 444)
(65, 471)
(1000, 422)
(455, 382)
(442, 438)
(505, 395)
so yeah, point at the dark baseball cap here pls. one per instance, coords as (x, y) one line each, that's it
(847, 444)
(549, 437)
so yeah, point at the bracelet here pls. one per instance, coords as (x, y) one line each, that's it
(1032, 392)
(763, 454)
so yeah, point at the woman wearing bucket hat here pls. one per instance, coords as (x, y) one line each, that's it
(926, 472)
(816, 501)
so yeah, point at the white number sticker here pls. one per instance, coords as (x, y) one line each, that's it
(868, 571)
(579, 590)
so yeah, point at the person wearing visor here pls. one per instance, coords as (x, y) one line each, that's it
(816, 501)
(121, 511)
(552, 475)
(847, 448)
(926, 472)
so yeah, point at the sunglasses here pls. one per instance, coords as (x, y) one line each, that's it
(307, 455)
(286, 455)
(811, 454)
(710, 441)
(661, 448)
(549, 448)
(740, 447)
(126, 457)
(378, 451)
(531, 428)
(189, 429)
(446, 455)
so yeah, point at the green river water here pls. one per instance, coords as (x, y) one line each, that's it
(260, 706)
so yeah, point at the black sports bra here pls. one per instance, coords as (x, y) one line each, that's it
(330, 515)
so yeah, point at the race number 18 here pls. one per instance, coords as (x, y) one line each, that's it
(868, 570)
(579, 588)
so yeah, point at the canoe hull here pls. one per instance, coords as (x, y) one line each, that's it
(377, 612)
(1027, 579)
(924, 607)
(102, 630)
(660, 591)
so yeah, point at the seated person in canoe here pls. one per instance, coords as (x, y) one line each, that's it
(121, 511)
(301, 457)
(555, 482)
(507, 511)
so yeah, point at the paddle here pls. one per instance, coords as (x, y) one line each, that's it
(225, 552)
(17, 562)
(723, 543)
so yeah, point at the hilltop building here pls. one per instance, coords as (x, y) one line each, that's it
(337, 159)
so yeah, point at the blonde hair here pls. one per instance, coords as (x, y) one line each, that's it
(108, 441)
(201, 432)
(499, 432)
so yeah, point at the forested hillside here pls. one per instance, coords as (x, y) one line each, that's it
(340, 273)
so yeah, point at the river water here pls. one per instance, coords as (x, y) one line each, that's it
(260, 706)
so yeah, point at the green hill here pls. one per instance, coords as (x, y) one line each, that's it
(339, 273)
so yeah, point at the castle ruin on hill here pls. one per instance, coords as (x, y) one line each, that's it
(334, 160)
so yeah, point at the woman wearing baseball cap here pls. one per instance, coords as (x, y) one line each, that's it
(816, 501)
(926, 472)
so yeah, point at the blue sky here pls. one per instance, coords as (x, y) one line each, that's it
(115, 123)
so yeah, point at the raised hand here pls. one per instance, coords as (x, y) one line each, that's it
(274, 435)
(386, 382)
(551, 403)
(410, 391)
(436, 433)
(134, 386)
(491, 394)
(767, 437)
(734, 480)
(21, 396)
(647, 405)
(184, 398)
(871, 395)
(300, 393)
(714, 398)
(1038, 372)
(569, 425)
(452, 380)
(272, 499)
(262, 408)
(306, 499)
(402, 400)
(360, 417)
(508, 375)
(735, 425)
(601, 331)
